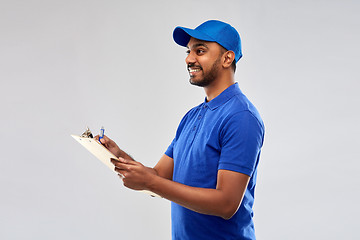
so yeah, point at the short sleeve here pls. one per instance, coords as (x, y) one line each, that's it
(241, 139)
(170, 149)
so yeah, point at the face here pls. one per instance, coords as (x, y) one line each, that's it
(203, 62)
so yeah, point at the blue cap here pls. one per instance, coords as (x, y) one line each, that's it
(212, 31)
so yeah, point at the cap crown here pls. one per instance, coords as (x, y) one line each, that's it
(214, 31)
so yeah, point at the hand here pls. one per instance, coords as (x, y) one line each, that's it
(134, 175)
(110, 145)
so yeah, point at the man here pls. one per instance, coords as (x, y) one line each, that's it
(209, 170)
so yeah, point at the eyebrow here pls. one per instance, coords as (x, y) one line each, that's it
(198, 45)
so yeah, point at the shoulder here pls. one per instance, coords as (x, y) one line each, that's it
(240, 109)
(243, 122)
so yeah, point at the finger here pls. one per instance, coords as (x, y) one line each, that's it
(120, 171)
(117, 163)
(104, 139)
(114, 160)
(107, 139)
(122, 167)
(123, 160)
(128, 161)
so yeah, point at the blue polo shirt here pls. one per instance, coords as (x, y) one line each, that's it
(225, 133)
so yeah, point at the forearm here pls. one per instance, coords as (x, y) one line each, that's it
(201, 200)
(222, 201)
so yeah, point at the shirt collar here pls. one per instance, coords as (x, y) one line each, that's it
(224, 96)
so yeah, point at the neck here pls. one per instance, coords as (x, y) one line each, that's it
(218, 86)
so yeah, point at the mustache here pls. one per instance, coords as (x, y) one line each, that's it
(192, 65)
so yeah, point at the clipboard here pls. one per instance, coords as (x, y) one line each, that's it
(97, 149)
(100, 152)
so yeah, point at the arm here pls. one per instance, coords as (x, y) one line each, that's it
(165, 167)
(222, 201)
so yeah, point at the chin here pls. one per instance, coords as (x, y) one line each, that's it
(195, 83)
(201, 83)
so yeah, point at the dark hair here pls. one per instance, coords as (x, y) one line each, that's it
(233, 65)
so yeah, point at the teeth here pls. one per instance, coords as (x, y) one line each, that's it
(194, 70)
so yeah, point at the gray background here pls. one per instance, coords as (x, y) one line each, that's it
(65, 65)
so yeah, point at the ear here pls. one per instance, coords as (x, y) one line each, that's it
(229, 57)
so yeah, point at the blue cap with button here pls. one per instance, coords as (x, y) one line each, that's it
(212, 31)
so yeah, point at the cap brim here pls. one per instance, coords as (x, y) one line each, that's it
(182, 36)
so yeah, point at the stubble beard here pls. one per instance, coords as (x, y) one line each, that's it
(209, 77)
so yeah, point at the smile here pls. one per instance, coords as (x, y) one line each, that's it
(194, 70)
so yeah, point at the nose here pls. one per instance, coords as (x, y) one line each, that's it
(190, 58)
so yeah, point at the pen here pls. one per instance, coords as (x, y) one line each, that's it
(101, 135)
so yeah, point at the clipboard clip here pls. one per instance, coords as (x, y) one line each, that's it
(87, 133)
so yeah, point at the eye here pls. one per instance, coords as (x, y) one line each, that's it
(200, 51)
(187, 52)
